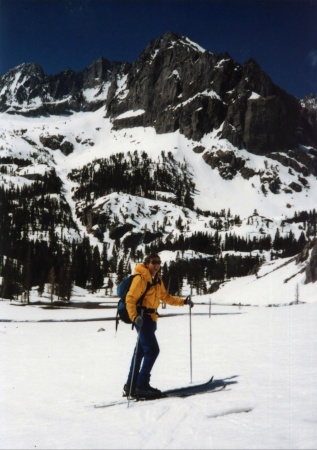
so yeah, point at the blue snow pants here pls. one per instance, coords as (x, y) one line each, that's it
(147, 352)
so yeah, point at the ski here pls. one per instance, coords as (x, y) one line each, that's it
(188, 390)
(209, 387)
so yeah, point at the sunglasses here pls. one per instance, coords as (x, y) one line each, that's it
(155, 261)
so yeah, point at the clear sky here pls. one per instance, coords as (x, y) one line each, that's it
(281, 35)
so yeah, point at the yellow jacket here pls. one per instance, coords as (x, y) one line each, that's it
(153, 296)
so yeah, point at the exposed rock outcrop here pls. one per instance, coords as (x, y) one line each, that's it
(311, 268)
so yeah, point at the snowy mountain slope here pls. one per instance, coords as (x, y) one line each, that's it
(92, 138)
(279, 282)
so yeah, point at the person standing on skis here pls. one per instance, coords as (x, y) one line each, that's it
(147, 350)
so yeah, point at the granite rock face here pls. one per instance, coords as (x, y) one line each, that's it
(179, 86)
(176, 85)
(28, 91)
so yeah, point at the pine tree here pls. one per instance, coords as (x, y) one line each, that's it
(51, 279)
(80, 265)
(9, 289)
(65, 283)
(120, 273)
(277, 240)
(26, 276)
(104, 261)
(96, 271)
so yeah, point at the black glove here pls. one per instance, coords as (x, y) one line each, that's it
(188, 301)
(138, 321)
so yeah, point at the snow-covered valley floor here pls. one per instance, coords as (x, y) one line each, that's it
(53, 373)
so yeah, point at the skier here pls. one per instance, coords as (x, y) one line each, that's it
(147, 348)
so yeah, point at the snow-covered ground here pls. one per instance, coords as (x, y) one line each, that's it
(56, 366)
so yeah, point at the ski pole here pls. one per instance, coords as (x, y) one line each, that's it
(190, 342)
(134, 362)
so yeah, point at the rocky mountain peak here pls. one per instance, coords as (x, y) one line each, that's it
(100, 70)
(173, 85)
(27, 69)
(170, 39)
(178, 85)
(20, 84)
(255, 80)
(19, 77)
(164, 41)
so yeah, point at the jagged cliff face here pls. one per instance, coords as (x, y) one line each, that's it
(176, 85)
(27, 90)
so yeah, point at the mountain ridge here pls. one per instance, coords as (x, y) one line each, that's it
(195, 91)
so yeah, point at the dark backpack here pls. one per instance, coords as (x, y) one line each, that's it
(122, 290)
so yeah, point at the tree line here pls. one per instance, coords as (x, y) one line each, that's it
(83, 265)
(40, 242)
(135, 174)
(213, 244)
